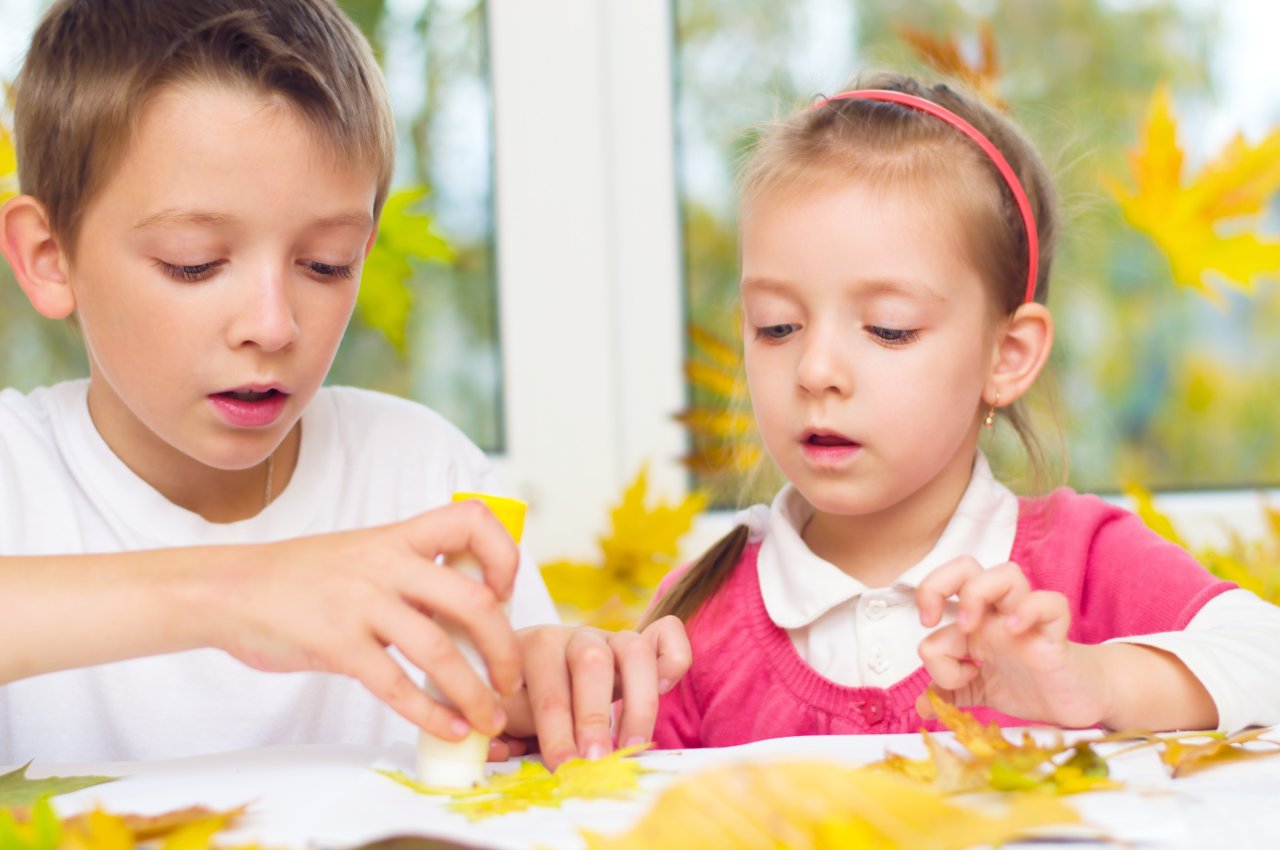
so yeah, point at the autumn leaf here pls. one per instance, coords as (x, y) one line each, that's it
(405, 236)
(944, 56)
(8, 151)
(990, 761)
(1185, 759)
(616, 776)
(723, 432)
(16, 789)
(1252, 564)
(39, 828)
(815, 804)
(1205, 223)
(641, 547)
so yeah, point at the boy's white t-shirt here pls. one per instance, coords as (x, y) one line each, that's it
(365, 459)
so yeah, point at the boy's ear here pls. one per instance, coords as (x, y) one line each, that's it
(1021, 351)
(28, 243)
(373, 238)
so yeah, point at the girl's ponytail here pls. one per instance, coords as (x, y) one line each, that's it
(703, 579)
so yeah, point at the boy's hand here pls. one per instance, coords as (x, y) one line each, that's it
(1008, 648)
(573, 676)
(337, 601)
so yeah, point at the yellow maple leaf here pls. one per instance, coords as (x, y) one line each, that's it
(1185, 759)
(723, 432)
(616, 776)
(943, 54)
(815, 804)
(1252, 564)
(8, 152)
(641, 547)
(1204, 224)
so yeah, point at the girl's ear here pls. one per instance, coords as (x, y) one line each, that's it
(1021, 350)
(28, 243)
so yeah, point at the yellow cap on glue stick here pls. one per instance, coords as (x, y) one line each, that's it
(510, 512)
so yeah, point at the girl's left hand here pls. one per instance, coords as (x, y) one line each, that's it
(573, 675)
(1008, 648)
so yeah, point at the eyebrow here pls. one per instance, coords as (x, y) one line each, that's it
(872, 287)
(172, 217)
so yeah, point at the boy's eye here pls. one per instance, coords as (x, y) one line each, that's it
(325, 270)
(773, 333)
(893, 336)
(190, 274)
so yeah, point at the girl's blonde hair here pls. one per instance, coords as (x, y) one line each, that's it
(894, 146)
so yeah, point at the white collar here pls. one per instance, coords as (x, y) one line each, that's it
(799, 587)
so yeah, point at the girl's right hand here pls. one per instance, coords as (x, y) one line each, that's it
(336, 602)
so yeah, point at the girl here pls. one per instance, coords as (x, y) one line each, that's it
(896, 242)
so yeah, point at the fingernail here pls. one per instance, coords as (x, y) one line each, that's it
(635, 741)
(594, 752)
(664, 685)
(460, 727)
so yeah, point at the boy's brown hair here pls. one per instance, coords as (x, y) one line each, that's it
(94, 65)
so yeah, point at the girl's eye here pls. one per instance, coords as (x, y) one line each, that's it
(893, 336)
(774, 333)
(325, 270)
(190, 274)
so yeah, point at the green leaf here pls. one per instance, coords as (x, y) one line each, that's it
(17, 790)
(405, 236)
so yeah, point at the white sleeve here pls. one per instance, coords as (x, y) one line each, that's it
(1233, 647)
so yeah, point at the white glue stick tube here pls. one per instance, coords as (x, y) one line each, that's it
(460, 764)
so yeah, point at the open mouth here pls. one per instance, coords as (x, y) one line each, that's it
(250, 395)
(828, 441)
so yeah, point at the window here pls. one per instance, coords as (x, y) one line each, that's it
(1157, 385)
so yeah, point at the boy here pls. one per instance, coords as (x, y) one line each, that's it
(202, 181)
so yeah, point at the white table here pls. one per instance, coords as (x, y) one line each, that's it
(331, 797)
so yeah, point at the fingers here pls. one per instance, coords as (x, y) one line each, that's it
(387, 681)
(591, 665)
(945, 653)
(549, 697)
(671, 647)
(467, 527)
(1044, 610)
(430, 648)
(638, 663)
(941, 584)
(978, 591)
(1000, 590)
(472, 607)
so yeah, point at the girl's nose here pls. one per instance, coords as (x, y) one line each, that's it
(825, 362)
(265, 316)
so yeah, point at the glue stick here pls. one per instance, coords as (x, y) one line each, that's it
(460, 764)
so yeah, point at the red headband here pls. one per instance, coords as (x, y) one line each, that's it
(992, 152)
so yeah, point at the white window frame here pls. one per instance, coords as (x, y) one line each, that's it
(590, 283)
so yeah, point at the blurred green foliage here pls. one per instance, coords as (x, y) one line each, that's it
(1153, 382)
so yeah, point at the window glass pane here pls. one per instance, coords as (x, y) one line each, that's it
(426, 327)
(1156, 383)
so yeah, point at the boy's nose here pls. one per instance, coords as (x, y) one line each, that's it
(266, 317)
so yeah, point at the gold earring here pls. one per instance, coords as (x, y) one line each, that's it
(991, 414)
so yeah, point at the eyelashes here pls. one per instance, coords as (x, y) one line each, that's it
(204, 271)
(883, 335)
(893, 336)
